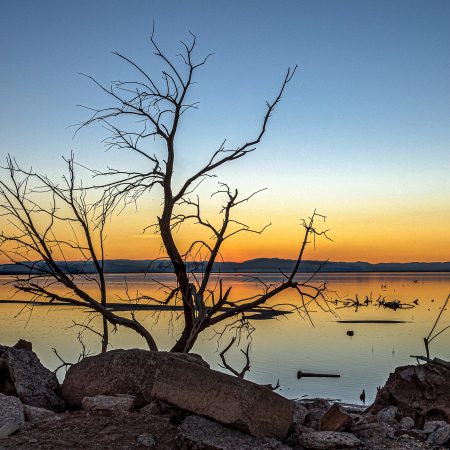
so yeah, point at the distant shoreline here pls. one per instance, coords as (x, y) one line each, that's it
(254, 266)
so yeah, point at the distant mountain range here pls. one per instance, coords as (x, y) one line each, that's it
(252, 266)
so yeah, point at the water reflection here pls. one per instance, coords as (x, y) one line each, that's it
(382, 337)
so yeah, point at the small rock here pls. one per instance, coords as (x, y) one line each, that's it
(335, 419)
(378, 430)
(316, 407)
(418, 435)
(433, 425)
(147, 440)
(322, 440)
(9, 428)
(388, 415)
(152, 409)
(197, 433)
(406, 423)
(34, 414)
(440, 436)
(108, 403)
(300, 413)
(11, 410)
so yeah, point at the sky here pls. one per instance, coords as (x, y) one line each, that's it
(362, 133)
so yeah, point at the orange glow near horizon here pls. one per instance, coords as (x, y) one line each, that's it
(358, 234)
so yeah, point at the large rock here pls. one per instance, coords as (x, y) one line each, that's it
(183, 381)
(118, 372)
(421, 392)
(11, 410)
(198, 433)
(23, 375)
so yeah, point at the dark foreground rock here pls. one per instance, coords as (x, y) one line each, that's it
(119, 372)
(23, 375)
(421, 392)
(184, 381)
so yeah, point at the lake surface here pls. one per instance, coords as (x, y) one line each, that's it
(280, 347)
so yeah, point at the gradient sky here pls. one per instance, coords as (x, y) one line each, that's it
(362, 134)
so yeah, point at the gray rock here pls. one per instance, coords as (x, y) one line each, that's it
(388, 415)
(300, 413)
(11, 410)
(440, 436)
(198, 433)
(316, 407)
(433, 425)
(418, 435)
(153, 408)
(377, 433)
(8, 428)
(34, 384)
(147, 440)
(322, 440)
(108, 403)
(35, 415)
(406, 423)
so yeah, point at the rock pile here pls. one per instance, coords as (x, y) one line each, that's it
(201, 409)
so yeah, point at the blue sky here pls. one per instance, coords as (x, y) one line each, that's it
(363, 128)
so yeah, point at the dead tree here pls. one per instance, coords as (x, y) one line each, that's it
(150, 109)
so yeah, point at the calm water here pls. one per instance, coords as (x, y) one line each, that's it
(280, 347)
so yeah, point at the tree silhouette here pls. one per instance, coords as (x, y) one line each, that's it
(141, 112)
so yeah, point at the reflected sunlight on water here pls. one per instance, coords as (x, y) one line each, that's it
(280, 347)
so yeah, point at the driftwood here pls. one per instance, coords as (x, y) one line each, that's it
(435, 361)
(301, 374)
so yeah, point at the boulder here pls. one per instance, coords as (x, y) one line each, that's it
(23, 375)
(421, 392)
(198, 433)
(11, 410)
(335, 419)
(118, 372)
(322, 440)
(184, 382)
(104, 404)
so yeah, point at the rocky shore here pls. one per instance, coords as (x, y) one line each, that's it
(138, 399)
